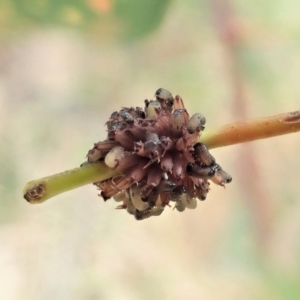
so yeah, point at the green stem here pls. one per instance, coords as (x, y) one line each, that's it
(40, 190)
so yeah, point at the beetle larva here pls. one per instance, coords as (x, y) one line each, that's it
(154, 211)
(165, 98)
(113, 156)
(196, 123)
(202, 155)
(178, 120)
(198, 171)
(134, 195)
(151, 109)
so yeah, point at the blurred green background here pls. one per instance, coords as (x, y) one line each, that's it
(65, 66)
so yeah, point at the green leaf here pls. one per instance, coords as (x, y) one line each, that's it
(140, 17)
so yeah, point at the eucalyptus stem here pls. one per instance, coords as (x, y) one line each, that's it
(251, 130)
(40, 190)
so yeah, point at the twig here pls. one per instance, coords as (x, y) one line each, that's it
(252, 130)
(40, 190)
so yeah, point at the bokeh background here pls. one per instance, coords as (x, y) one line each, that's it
(65, 66)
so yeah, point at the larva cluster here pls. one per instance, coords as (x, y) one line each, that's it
(158, 153)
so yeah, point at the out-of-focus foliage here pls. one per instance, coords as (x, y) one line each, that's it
(129, 19)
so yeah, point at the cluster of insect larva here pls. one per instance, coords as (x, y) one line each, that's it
(159, 156)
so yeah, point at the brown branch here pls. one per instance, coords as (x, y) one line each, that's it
(247, 131)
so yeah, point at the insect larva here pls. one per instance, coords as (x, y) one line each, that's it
(165, 98)
(202, 155)
(154, 211)
(221, 177)
(113, 156)
(134, 195)
(198, 171)
(191, 202)
(196, 123)
(151, 108)
(179, 118)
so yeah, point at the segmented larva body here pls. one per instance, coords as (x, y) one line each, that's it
(157, 152)
(196, 123)
(114, 156)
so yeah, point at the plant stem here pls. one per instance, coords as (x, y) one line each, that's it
(251, 130)
(40, 190)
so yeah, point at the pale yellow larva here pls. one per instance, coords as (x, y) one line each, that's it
(113, 156)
